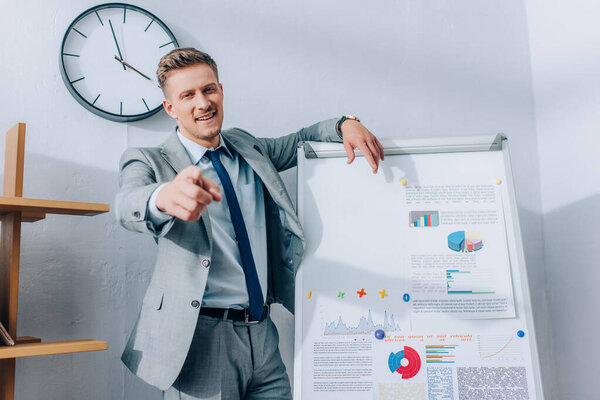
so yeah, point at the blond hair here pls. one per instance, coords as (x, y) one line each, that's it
(181, 58)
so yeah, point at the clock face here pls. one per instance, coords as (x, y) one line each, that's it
(109, 58)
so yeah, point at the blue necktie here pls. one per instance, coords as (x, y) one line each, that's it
(252, 283)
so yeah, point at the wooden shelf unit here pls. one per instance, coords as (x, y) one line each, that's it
(15, 209)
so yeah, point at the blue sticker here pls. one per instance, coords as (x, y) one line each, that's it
(406, 297)
(520, 333)
(379, 334)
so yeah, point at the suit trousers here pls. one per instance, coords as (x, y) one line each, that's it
(231, 360)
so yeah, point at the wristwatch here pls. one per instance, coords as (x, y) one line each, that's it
(338, 125)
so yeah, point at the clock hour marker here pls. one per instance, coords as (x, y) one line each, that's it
(77, 80)
(121, 109)
(72, 55)
(96, 99)
(147, 108)
(82, 33)
(99, 19)
(149, 25)
(166, 44)
(124, 13)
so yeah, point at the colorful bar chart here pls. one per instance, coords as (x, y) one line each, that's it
(462, 282)
(440, 354)
(418, 219)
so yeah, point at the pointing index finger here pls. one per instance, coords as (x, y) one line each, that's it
(210, 186)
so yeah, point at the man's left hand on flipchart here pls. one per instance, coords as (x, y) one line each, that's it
(356, 135)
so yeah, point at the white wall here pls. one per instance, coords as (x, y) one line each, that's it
(565, 43)
(408, 68)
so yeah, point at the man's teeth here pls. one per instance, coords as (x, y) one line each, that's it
(205, 118)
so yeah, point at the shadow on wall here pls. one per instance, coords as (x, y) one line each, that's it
(158, 123)
(571, 239)
(80, 277)
(538, 288)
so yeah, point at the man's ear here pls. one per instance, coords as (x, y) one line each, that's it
(169, 108)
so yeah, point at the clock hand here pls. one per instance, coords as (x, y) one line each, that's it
(124, 63)
(114, 37)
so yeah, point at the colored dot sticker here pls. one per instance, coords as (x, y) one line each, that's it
(406, 297)
(403, 182)
(309, 294)
(520, 333)
(379, 334)
(497, 181)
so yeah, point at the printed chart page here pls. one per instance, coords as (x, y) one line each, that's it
(456, 250)
(406, 290)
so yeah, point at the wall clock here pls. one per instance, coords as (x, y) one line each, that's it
(108, 61)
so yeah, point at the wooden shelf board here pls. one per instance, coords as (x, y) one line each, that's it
(43, 206)
(27, 339)
(46, 348)
(32, 217)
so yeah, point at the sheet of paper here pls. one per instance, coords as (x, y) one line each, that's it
(456, 251)
(414, 366)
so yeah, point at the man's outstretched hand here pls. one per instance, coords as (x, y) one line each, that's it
(187, 196)
(357, 136)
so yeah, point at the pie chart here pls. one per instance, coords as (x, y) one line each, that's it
(412, 364)
(465, 241)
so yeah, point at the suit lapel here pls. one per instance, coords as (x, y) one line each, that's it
(174, 153)
(269, 177)
(177, 157)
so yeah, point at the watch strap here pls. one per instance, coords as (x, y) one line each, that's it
(338, 125)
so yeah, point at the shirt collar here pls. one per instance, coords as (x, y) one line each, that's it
(197, 151)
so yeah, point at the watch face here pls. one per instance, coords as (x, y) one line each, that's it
(109, 58)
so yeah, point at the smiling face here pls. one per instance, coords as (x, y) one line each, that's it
(194, 97)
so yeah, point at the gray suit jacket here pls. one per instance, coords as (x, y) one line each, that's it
(160, 340)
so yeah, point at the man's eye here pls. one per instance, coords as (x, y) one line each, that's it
(187, 95)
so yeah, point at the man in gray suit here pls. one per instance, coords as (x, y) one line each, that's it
(229, 241)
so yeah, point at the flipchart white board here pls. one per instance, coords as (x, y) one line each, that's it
(413, 284)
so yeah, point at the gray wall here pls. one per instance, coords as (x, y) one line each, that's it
(408, 68)
(565, 39)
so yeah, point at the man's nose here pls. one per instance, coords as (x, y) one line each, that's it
(202, 102)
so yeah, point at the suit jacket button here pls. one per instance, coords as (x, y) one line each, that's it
(136, 214)
(206, 263)
(195, 304)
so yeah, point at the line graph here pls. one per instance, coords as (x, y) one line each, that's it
(499, 351)
(365, 326)
(499, 348)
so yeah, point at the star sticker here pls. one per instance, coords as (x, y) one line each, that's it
(341, 295)
(361, 293)
(382, 293)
